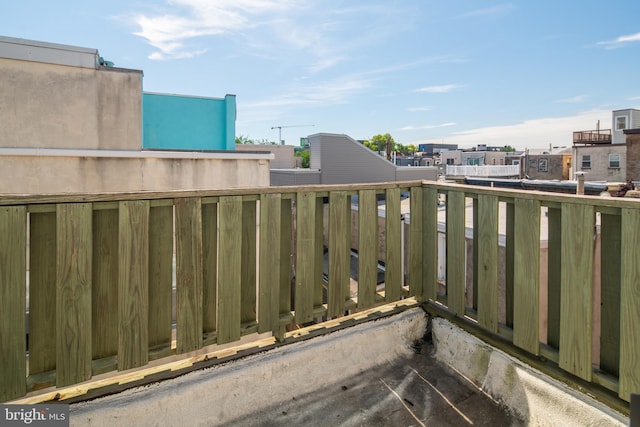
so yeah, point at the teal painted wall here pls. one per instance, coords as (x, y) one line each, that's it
(173, 122)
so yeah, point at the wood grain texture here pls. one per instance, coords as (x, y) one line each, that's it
(13, 238)
(630, 305)
(305, 256)
(488, 262)
(339, 252)
(393, 246)
(189, 330)
(229, 269)
(42, 292)
(73, 293)
(416, 241)
(269, 247)
(367, 248)
(576, 294)
(526, 271)
(456, 252)
(133, 284)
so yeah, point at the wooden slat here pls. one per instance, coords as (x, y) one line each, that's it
(73, 293)
(488, 262)
(249, 272)
(104, 291)
(229, 268)
(305, 256)
(416, 242)
(526, 271)
(509, 253)
(270, 223)
(160, 275)
(554, 275)
(610, 268)
(367, 248)
(339, 252)
(393, 246)
(13, 237)
(189, 330)
(630, 305)
(456, 252)
(42, 291)
(133, 284)
(209, 267)
(576, 295)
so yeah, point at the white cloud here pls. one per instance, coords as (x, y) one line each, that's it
(534, 133)
(634, 98)
(572, 100)
(190, 19)
(620, 41)
(439, 89)
(442, 125)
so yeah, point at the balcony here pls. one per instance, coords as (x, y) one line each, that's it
(592, 137)
(118, 283)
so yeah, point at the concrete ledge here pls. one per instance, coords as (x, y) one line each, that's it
(226, 392)
(531, 395)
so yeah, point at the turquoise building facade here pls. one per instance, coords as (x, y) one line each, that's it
(179, 122)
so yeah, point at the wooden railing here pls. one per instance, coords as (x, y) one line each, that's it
(592, 137)
(97, 276)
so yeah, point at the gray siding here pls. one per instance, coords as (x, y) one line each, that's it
(294, 177)
(343, 160)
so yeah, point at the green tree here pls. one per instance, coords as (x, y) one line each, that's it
(306, 158)
(242, 139)
(508, 148)
(379, 142)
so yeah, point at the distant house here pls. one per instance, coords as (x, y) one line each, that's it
(554, 164)
(601, 154)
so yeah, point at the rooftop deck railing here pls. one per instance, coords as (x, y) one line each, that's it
(592, 136)
(97, 277)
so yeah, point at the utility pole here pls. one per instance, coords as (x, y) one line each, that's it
(289, 126)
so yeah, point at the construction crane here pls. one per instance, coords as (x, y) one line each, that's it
(283, 127)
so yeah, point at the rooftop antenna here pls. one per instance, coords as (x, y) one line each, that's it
(288, 126)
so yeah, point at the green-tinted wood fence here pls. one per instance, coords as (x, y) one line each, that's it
(92, 284)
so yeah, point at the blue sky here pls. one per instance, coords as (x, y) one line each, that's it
(523, 73)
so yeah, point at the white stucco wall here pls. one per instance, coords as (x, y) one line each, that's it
(29, 171)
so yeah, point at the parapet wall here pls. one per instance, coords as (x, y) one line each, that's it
(24, 171)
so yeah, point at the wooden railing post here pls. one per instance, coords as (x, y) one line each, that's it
(73, 292)
(13, 229)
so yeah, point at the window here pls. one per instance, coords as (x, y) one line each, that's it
(586, 161)
(473, 162)
(450, 162)
(621, 122)
(614, 161)
(533, 164)
(543, 165)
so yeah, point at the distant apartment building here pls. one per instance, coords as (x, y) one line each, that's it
(554, 164)
(601, 154)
